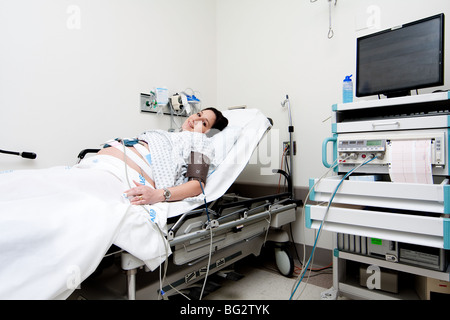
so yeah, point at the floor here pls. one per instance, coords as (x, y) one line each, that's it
(262, 281)
(259, 279)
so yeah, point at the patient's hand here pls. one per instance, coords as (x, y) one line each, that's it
(141, 195)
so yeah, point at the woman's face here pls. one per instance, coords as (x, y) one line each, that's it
(199, 122)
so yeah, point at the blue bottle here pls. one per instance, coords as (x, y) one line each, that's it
(347, 90)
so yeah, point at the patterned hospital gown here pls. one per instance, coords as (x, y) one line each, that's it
(170, 152)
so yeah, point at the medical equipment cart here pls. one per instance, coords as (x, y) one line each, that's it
(370, 207)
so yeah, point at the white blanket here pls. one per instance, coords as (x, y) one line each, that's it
(56, 224)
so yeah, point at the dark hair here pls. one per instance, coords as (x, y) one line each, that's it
(220, 123)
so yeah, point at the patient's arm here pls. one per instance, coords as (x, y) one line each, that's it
(141, 194)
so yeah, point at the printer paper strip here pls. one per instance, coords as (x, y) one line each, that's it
(411, 161)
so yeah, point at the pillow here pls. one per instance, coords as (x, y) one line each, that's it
(224, 141)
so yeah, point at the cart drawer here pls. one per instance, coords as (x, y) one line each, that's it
(416, 229)
(433, 198)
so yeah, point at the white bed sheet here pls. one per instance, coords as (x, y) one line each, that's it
(56, 224)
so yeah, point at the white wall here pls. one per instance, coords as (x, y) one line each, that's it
(71, 72)
(267, 49)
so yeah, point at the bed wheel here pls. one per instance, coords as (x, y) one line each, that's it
(284, 262)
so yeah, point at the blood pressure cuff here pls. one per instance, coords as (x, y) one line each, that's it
(198, 167)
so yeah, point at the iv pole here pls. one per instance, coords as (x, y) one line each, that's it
(287, 103)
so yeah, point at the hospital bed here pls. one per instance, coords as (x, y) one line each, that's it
(207, 238)
(56, 224)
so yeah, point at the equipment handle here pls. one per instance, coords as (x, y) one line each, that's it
(392, 123)
(324, 151)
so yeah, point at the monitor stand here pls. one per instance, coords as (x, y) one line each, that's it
(398, 94)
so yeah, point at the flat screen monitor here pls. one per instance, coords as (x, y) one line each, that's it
(395, 61)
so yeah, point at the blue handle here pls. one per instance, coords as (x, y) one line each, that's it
(324, 150)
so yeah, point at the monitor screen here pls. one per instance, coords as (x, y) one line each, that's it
(395, 61)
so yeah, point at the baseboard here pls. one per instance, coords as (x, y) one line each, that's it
(258, 190)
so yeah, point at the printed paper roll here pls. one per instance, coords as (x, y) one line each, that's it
(411, 161)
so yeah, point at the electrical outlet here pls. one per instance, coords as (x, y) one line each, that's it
(287, 147)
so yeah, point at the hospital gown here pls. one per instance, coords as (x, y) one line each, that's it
(170, 152)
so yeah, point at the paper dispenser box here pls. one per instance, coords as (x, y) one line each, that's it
(426, 286)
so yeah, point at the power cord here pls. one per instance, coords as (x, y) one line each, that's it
(301, 276)
(211, 241)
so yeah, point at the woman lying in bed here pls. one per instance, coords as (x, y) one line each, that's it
(169, 166)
